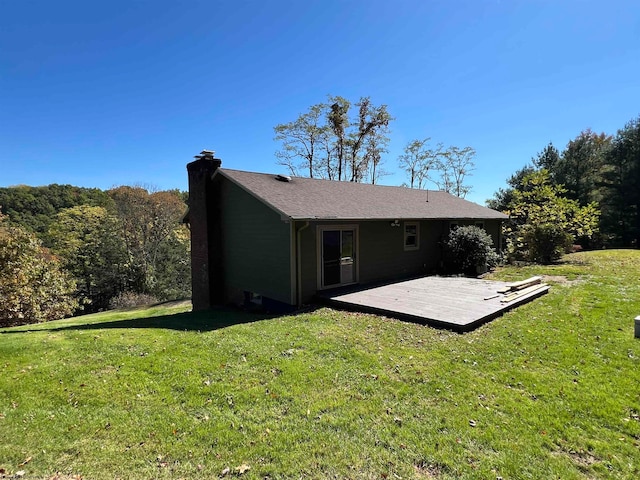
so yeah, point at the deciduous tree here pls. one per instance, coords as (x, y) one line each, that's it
(148, 221)
(33, 286)
(543, 222)
(418, 160)
(455, 165)
(87, 240)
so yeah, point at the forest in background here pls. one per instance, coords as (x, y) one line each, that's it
(67, 250)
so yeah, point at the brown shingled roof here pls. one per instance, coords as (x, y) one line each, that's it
(311, 199)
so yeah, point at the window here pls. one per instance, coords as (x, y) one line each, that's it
(480, 225)
(411, 236)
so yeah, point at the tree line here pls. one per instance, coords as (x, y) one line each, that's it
(586, 194)
(66, 250)
(346, 141)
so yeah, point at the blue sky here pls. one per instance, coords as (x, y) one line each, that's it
(101, 94)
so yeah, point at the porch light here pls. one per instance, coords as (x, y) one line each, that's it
(395, 223)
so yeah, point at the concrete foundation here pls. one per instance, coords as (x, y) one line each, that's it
(637, 329)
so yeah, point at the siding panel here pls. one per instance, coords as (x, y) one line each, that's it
(255, 245)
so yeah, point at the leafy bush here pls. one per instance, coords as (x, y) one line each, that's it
(33, 286)
(546, 242)
(468, 248)
(131, 299)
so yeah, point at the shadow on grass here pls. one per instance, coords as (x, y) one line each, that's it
(203, 321)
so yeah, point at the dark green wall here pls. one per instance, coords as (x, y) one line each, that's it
(381, 255)
(255, 245)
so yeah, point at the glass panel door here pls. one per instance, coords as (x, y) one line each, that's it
(330, 257)
(347, 258)
(338, 257)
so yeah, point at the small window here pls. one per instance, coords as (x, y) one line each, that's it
(480, 225)
(411, 236)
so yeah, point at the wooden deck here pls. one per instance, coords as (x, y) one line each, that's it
(454, 303)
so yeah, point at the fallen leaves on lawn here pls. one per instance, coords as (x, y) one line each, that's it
(244, 468)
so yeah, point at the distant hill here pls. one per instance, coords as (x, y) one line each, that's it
(35, 207)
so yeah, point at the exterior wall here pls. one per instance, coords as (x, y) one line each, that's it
(256, 253)
(380, 254)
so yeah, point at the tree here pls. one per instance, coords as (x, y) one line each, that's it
(33, 286)
(376, 145)
(455, 165)
(621, 186)
(325, 142)
(148, 221)
(580, 165)
(302, 140)
(372, 123)
(548, 159)
(338, 118)
(543, 222)
(418, 160)
(87, 240)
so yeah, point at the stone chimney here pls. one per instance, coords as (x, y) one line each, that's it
(207, 287)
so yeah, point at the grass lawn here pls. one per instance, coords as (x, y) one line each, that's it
(549, 390)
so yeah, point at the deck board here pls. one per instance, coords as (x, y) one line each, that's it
(451, 302)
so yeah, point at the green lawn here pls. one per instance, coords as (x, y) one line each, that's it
(549, 390)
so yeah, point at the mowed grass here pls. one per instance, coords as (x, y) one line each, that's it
(549, 390)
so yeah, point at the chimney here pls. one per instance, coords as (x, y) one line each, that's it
(206, 263)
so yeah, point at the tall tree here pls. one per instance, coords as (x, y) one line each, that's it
(455, 165)
(328, 141)
(87, 240)
(148, 221)
(418, 160)
(621, 186)
(375, 146)
(579, 167)
(338, 117)
(548, 159)
(302, 141)
(373, 123)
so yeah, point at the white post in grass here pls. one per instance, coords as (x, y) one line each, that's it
(637, 329)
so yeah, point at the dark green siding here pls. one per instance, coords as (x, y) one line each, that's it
(380, 256)
(382, 253)
(256, 245)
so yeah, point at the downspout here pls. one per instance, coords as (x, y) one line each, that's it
(299, 263)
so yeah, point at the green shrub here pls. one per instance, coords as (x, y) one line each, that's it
(546, 242)
(468, 248)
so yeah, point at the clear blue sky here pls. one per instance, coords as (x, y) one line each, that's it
(107, 93)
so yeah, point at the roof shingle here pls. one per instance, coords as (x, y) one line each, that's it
(313, 199)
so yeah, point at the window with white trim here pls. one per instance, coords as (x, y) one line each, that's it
(411, 235)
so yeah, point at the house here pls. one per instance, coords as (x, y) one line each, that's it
(280, 239)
